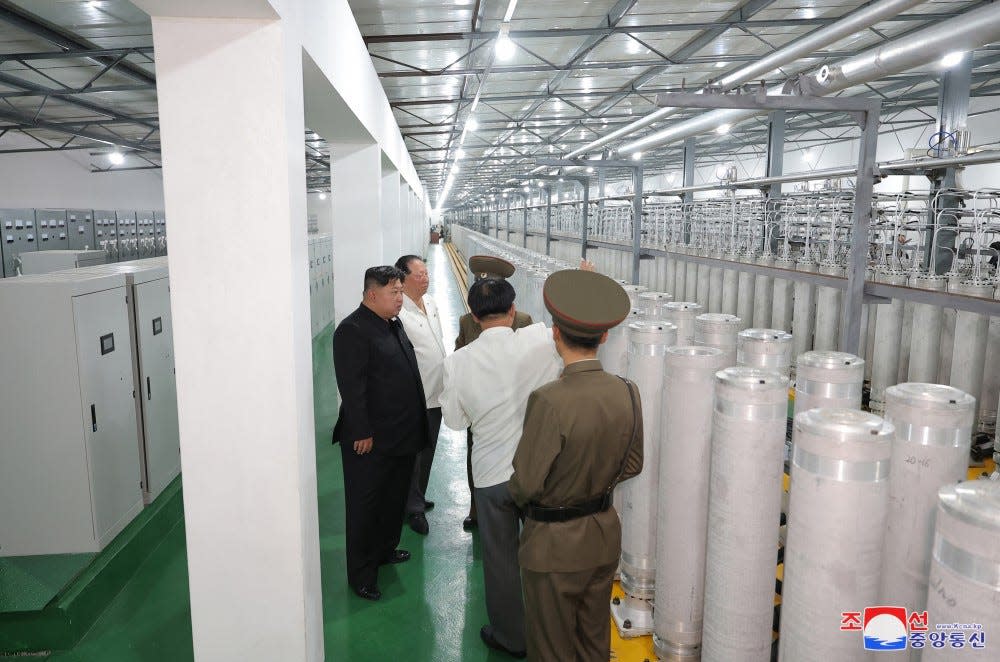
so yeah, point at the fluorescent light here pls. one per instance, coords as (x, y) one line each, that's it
(561, 179)
(460, 154)
(720, 65)
(637, 156)
(504, 47)
(507, 15)
(93, 4)
(951, 59)
(116, 158)
(723, 129)
(322, 196)
(590, 168)
(454, 169)
(471, 124)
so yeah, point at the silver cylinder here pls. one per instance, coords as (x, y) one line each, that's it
(905, 342)
(653, 302)
(682, 529)
(971, 333)
(648, 343)
(613, 353)
(703, 295)
(691, 282)
(888, 333)
(669, 282)
(715, 275)
(763, 295)
(744, 507)
(838, 500)
(744, 299)
(680, 279)
(931, 448)
(925, 341)
(804, 311)
(828, 379)
(783, 302)
(633, 292)
(718, 330)
(768, 349)
(828, 310)
(991, 377)
(947, 350)
(682, 314)
(730, 287)
(964, 581)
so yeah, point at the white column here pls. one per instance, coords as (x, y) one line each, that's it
(392, 217)
(405, 218)
(242, 332)
(356, 173)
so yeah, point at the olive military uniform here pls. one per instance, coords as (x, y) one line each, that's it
(582, 435)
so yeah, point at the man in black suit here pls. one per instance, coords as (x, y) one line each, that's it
(381, 428)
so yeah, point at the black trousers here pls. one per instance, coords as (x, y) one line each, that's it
(375, 488)
(422, 467)
(468, 471)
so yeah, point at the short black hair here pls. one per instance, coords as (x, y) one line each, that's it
(489, 297)
(403, 263)
(382, 276)
(579, 342)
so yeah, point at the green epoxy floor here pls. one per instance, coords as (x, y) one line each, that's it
(432, 606)
(28, 583)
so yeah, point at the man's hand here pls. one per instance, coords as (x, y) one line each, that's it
(363, 446)
(586, 265)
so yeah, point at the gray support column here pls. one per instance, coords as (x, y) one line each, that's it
(524, 223)
(857, 259)
(585, 220)
(548, 223)
(508, 222)
(953, 114)
(690, 147)
(636, 222)
(775, 150)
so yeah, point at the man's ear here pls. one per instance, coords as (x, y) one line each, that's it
(604, 337)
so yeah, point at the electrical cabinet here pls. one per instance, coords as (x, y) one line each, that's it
(320, 281)
(19, 235)
(43, 262)
(152, 347)
(53, 233)
(69, 475)
(106, 233)
(80, 227)
(128, 241)
(146, 233)
(160, 232)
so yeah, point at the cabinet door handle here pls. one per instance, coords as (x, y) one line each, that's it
(149, 390)
(93, 418)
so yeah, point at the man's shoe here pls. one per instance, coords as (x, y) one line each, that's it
(396, 556)
(486, 634)
(419, 523)
(428, 505)
(368, 592)
(469, 523)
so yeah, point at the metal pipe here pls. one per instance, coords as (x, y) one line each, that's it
(965, 32)
(802, 47)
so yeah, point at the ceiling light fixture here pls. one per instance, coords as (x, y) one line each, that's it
(507, 15)
(951, 59)
(590, 168)
(504, 47)
(322, 196)
(723, 129)
(471, 124)
(116, 158)
(720, 65)
(637, 156)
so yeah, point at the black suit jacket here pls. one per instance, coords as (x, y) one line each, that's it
(381, 395)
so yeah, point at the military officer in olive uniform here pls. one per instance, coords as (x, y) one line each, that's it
(582, 436)
(483, 266)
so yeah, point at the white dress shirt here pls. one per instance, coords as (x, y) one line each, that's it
(486, 387)
(424, 331)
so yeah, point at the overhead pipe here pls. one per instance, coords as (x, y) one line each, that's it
(965, 32)
(807, 45)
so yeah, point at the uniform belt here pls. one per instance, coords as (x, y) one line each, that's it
(541, 513)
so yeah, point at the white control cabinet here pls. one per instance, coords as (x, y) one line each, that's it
(69, 461)
(43, 262)
(152, 347)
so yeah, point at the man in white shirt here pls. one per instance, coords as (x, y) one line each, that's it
(486, 387)
(423, 326)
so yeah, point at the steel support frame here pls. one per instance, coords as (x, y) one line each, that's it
(866, 112)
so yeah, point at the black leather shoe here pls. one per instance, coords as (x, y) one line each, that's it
(486, 634)
(419, 523)
(397, 556)
(469, 523)
(368, 592)
(428, 505)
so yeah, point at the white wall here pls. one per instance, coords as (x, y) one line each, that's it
(63, 180)
(322, 210)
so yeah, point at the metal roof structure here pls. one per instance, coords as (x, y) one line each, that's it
(80, 75)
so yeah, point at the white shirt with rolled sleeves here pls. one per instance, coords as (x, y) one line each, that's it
(424, 331)
(486, 387)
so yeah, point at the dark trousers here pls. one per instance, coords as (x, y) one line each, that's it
(568, 614)
(468, 472)
(375, 489)
(422, 467)
(499, 529)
